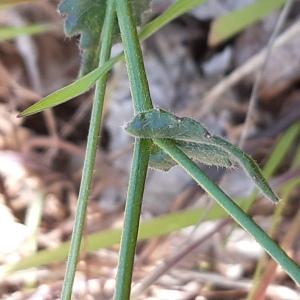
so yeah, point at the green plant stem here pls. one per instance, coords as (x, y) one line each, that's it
(7, 33)
(90, 156)
(133, 57)
(131, 219)
(142, 102)
(233, 209)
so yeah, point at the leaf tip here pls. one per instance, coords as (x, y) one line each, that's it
(25, 113)
(276, 200)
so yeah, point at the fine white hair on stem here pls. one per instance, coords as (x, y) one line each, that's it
(258, 80)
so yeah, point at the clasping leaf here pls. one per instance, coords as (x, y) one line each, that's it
(196, 142)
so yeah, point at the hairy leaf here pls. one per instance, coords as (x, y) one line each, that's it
(249, 165)
(159, 160)
(85, 17)
(203, 153)
(160, 124)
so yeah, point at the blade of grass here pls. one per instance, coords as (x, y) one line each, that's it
(232, 209)
(227, 26)
(7, 33)
(177, 9)
(282, 147)
(4, 4)
(156, 227)
(90, 156)
(84, 83)
(14, 2)
(259, 285)
(265, 268)
(33, 218)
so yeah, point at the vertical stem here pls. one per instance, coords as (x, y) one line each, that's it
(142, 102)
(90, 156)
(134, 58)
(131, 219)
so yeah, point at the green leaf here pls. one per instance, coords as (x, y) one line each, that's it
(206, 154)
(281, 150)
(4, 4)
(85, 17)
(249, 166)
(84, 83)
(106, 238)
(70, 91)
(228, 25)
(160, 124)
(7, 33)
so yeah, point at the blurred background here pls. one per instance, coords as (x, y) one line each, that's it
(203, 65)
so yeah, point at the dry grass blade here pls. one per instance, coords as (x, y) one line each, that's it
(173, 260)
(246, 69)
(254, 94)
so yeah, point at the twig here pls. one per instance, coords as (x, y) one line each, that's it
(246, 69)
(258, 80)
(274, 291)
(77, 117)
(28, 51)
(173, 260)
(46, 142)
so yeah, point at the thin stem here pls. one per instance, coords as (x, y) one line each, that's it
(133, 57)
(90, 156)
(142, 101)
(231, 208)
(131, 220)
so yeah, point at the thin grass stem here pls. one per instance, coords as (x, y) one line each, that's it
(90, 156)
